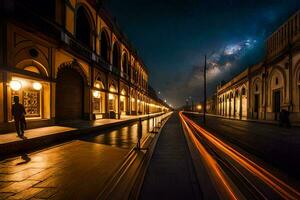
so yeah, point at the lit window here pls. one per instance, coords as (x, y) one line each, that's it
(32, 69)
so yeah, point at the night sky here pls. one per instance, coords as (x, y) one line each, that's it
(172, 37)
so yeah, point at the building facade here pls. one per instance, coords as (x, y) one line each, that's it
(263, 90)
(69, 60)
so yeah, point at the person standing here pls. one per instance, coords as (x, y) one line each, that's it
(18, 111)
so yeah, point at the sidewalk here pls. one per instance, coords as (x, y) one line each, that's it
(171, 174)
(10, 143)
(273, 122)
(75, 170)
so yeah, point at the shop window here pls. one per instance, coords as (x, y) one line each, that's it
(34, 95)
(111, 105)
(98, 98)
(122, 105)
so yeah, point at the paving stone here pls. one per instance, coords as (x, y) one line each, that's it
(26, 194)
(20, 176)
(43, 175)
(4, 195)
(46, 193)
(19, 186)
(5, 184)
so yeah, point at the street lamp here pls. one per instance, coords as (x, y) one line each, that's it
(199, 107)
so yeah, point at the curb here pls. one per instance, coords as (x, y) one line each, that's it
(127, 181)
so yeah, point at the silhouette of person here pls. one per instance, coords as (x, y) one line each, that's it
(18, 111)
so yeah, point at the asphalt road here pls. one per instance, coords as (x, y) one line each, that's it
(247, 152)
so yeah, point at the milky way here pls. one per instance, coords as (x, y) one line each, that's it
(172, 37)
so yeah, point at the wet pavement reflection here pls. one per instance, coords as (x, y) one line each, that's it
(124, 137)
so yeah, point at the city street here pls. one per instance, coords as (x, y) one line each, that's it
(247, 160)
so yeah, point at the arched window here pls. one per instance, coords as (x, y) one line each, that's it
(112, 88)
(32, 69)
(125, 63)
(99, 84)
(104, 46)
(83, 27)
(116, 56)
(256, 88)
(276, 81)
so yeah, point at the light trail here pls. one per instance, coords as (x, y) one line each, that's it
(280, 187)
(211, 163)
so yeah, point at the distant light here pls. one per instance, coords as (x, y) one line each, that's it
(37, 86)
(165, 100)
(199, 107)
(158, 92)
(15, 85)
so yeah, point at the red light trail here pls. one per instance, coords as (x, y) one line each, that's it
(280, 187)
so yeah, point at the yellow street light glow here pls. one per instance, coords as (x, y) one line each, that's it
(15, 85)
(96, 94)
(97, 85)
(111, 96)
(199, 107)
(37, 86)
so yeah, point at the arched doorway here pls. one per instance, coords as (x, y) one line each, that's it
(69, 94)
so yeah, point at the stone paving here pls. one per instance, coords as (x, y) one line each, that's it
(77, 170)
(74, 170)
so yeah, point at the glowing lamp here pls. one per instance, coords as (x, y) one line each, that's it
(96, 94)
(37, 86)
(97, 85)
(15, 85)
(199, 107)
(111, 96)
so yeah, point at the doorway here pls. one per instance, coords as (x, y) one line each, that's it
(256, 105)
(277, 99)
(69, 95)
